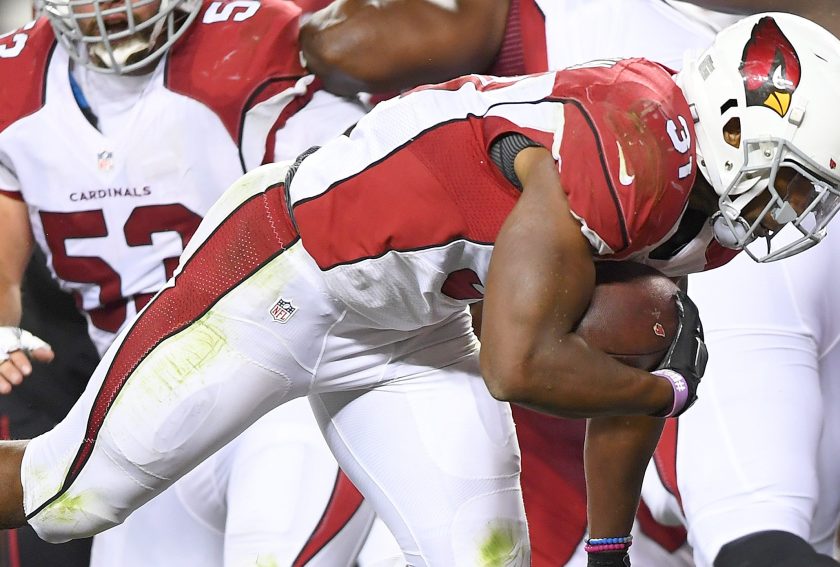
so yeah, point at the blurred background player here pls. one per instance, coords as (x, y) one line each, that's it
(146, 116)
(343, 43)
(507, 38)
(755, 464)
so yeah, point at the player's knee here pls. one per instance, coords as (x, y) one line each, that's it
(771, 549)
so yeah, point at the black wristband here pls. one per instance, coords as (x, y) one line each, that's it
(609, 559)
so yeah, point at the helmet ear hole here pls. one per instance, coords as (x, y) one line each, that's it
(732, 132)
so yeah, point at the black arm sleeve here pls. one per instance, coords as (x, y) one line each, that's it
(771, 549)
(503, 152)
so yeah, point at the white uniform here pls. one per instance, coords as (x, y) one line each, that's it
(554, 34)
(758, 450)
(269, 305)
(113, 207)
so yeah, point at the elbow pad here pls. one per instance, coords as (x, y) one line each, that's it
(503, 152)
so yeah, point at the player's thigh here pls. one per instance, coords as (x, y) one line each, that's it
(746, 453)
(208, 355)
(437, 457)
(288, 504)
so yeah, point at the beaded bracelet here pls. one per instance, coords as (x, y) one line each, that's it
(606, 544)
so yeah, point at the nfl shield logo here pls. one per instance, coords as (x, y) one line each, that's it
(105, 160)
(282, 311)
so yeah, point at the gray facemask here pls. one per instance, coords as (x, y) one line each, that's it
(731, 234)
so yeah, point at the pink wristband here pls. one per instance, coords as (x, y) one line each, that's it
(680, 389)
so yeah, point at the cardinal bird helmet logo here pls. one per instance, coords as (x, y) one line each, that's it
(770, 67)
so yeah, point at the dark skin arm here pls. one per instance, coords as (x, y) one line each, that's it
(382, 46)
(615, 456)
(539, 284)
(11, 490)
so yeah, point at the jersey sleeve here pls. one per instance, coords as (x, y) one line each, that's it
(24, 56)
(626, 154)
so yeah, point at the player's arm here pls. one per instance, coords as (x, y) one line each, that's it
(373, 46)
(539, 285)
(15, 251)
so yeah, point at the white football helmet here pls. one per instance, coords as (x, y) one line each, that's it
(777, 76)
(105, 35)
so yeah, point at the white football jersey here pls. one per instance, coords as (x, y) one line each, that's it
(545, 35)
(401, 215)
(113, 213)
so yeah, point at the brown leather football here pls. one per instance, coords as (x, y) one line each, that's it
(633, 315)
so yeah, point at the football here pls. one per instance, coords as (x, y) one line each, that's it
(633, 316)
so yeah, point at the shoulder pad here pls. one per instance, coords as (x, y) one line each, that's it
(24, 57)
(233, 50)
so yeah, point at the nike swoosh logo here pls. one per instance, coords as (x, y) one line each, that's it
(623, 178)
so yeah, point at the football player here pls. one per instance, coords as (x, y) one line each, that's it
(524, 37)
(438, 40)
(511, 38)
(502, 190)
(122, 123)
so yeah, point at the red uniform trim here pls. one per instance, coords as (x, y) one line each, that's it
(438, 200)
(23, 76)
(11, 536)
(343, 505)
(309, 6)
(523, 49)
(717, 255)
(510, 60)
(244, 242)
(533, 37)
(231, 66)
(291, 109)
(553, 484)
(573, 151)
(669, 538)
(665, 459)
(16, 195)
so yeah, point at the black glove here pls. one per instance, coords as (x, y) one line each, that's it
(687, 355)
(609, 559)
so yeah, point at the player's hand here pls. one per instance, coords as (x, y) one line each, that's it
(687, 355)
(16, 348)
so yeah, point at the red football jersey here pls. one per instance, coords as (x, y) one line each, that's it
(407, 207)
